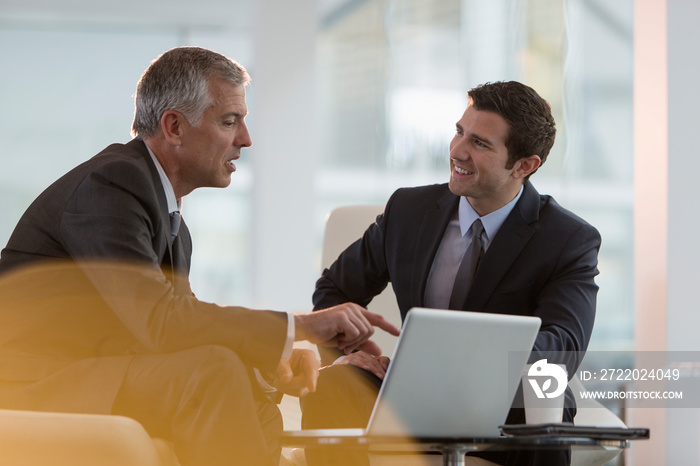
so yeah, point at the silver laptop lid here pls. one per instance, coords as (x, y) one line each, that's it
(453, 373)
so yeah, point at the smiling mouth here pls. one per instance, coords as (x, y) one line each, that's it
(462, 171)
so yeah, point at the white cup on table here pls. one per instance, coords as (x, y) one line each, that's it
(543, 392)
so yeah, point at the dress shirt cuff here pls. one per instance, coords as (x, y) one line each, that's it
(288, 345)
(264, 385)
(271, 392)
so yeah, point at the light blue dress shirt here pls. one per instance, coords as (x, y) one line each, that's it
(454, 244)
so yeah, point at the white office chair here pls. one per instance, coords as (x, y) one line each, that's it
(38, 438)
(344, 225)
(590, 412)
(31, 438)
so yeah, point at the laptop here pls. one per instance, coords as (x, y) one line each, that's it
(452, 374)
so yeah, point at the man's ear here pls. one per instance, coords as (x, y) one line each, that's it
(171, 123)
(526, 165)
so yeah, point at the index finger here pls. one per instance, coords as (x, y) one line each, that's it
(379, 321)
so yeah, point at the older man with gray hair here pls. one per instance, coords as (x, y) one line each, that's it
(114, 326)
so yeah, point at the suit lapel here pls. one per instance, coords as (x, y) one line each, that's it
(430, 235)
(170, 255)
(509, 242)
(140, 146)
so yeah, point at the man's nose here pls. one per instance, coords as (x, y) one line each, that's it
(458, 150)
(243, 138)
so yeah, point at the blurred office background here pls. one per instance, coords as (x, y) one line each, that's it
(350, 100)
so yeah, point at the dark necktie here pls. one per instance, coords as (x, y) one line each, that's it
(178, 261)
(467, 268)
(174, 225)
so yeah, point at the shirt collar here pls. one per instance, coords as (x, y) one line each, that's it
(492, 222)
(173, 204)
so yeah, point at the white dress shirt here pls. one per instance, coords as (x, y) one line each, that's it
(175, 205)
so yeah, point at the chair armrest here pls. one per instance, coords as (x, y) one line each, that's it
(37, 438)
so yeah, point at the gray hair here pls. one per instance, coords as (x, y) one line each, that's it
(179, 80)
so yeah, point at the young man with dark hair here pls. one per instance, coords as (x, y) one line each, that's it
(534, 258)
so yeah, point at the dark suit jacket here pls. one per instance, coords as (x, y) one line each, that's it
(85, 282)
(542, 262)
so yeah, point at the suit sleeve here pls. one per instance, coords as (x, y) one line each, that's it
(114, 217)
(567, 302)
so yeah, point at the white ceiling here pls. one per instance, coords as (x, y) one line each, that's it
(227, 14)
(158, 13)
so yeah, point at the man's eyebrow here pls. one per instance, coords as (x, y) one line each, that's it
(234, 114)
(484, 140)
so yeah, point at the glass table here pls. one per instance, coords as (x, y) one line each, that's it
(453, 449)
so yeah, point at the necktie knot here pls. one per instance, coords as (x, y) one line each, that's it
(477, 229)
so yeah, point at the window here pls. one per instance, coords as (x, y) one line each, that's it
(393, 78)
